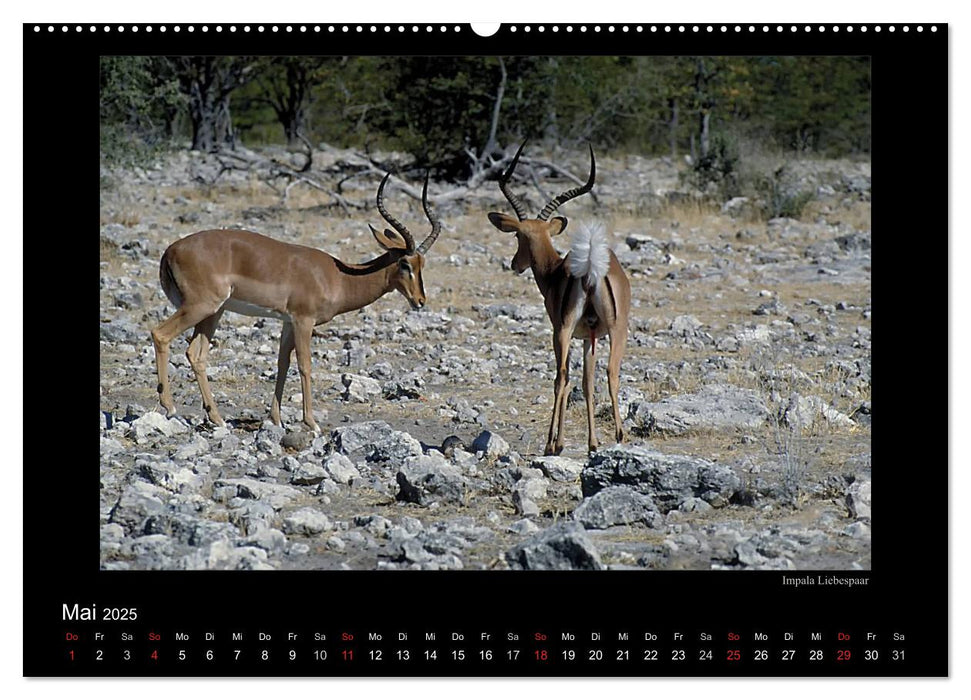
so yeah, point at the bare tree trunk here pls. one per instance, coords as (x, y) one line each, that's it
(292, 130)
(552, 126)
(480, 162)
(674, 127)
(490, 144)
(705, 102)
(224, 124)
(208, 82)
(703, 131)
(204, 115)
(289, 100)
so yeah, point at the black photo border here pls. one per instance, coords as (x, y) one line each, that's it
(908, 590)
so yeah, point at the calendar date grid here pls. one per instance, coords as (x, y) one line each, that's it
(343, 651)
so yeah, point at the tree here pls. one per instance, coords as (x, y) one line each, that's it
(208, 82)
(819, 103)
(458, 115)
(139, 102)
(287, 86)
(441, 110)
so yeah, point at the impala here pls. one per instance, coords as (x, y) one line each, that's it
(210, 272)
(587, 296)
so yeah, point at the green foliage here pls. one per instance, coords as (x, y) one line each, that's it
(441, 106)
(140, 103)
(717, 172)
(818, 104)
(730, 170)
(439, 110)
(119, 147)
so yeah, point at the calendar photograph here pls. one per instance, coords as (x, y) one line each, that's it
(485, 312)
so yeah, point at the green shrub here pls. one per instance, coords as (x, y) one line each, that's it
(779, 198)
(717, 172)
(121, 147)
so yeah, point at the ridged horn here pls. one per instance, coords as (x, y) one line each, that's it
(504, 185)
(555, 203)
(395, 224)
(436, 224)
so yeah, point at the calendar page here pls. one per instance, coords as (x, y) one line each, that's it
(431, 351)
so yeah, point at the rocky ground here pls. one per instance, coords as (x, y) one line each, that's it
(745, 390)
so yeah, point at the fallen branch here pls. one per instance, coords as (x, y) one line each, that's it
(354, 164)
(560, 170)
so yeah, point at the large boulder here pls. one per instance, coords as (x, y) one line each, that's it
(565, 546)
(617, 505)
(376, 441)
(719, 407)
(427, 479)
(669, 480)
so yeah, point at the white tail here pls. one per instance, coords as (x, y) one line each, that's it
(595, 308)
(589, 254)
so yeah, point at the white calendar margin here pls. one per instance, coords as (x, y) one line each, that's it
(13, 372)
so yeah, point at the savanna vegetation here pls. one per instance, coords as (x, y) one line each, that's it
(453, 114)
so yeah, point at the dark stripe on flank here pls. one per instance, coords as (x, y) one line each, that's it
(566, 295)
(613, 301)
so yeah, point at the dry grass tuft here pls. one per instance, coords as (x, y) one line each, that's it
(125, 217)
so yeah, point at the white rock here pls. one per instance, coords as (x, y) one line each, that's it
(558, 468)
(491, 445)
(858, 498)
(306, 521)
(151, 425)
(340, 468)
(359, 388)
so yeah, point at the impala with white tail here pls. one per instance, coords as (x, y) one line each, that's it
(587, 296)
(210, 272)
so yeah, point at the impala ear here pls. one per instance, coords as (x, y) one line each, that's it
(388, 239)
(558, 221)
(504, 222)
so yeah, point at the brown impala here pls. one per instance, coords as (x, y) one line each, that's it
(587, 296)
(210, 272)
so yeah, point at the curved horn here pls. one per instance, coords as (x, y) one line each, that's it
(436, 224)
(570, 194)
(503, 185)
(397, 225)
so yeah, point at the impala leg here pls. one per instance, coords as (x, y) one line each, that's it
(302, 330)
(198, 354)
(618, 342)
(561, 352)
(282, 367)
(564, 394)
(589, 364)
(162, 336)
